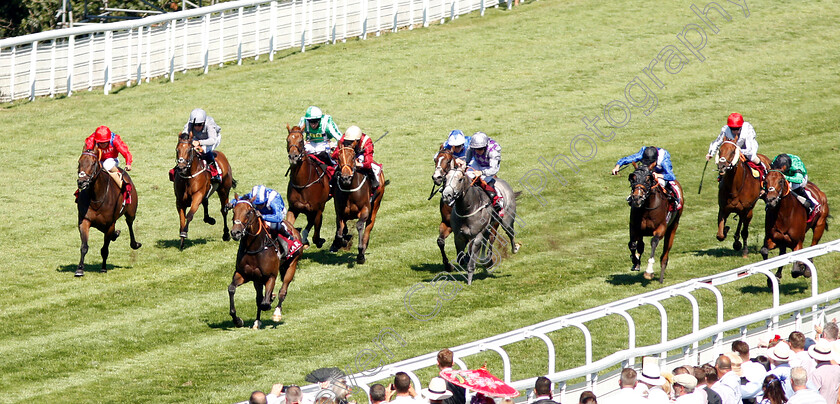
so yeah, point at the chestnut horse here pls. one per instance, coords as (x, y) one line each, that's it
(444, 161)
(309, 187)
(786, 222)
(352, 201)
(193, 186)
(100, 205)
(650, 216)
(737, 193)
(258, 260)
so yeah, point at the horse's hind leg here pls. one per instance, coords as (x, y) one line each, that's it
(84, 231)
(363, 227)
(736, 243)
(261, 302)
(319, 216)
(109, 235)
(207, 219)
(237, 280)
(444, 231)
(654, 241)
(224, 193)
(288, 275)
(129, 220)
(666, 249)
(745, 232)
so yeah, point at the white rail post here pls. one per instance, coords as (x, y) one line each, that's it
(257, 33)
(456, 7)
(396, 8)
(334, 19)
(109, 39)
(426, 13)
(12, 75)
(33, 65)
(52, 68)
(90, 60)
(293, 24)
(239, 38)
(71, 50)
(149, 54)
(139, 55)
(171, 55)
(128, 57)
(410, 15)
(363, 17)
(378, 17)
(482, 8)
(344, 37)
(169, 45)
(222, 39)
(273, 28)
(185, 48)
(205, 42)
(442, 11)
(303, 27)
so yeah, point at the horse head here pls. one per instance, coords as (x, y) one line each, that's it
(89, 168)
(456, 186)
(346, 165)
(641, 183)
(294, 145)
(444, 162)
(184, 153)
(728, 156)
(244, 217)
(776, 186)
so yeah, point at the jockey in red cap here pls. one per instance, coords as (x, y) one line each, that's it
(111, 146)
(743, 134)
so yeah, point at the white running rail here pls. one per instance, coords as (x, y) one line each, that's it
(780, 319)
(131, 52)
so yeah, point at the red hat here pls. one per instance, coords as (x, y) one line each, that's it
(735, 120)
(102, 134)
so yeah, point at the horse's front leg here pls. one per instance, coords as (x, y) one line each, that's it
(654, 241)
(224, 194)
(339, 241)
(185, 228)
(258, 286)
(633, 246)
(736, 243)
(84, 231)
(110, 234)
(443, 232)
(722, 227)
(474, 249)
(288, 276)
(237, 280)
(207, 219)
(319, 217)
(745, 232)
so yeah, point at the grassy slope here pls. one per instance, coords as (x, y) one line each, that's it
(156, 327)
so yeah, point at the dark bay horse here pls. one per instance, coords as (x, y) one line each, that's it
(786, 221)
(444, 161)
(650, 216)
(738, 193)
(100, 205)
(352, 201)
(474, 221)
(258, 260)
(193, 186)
(309, 186)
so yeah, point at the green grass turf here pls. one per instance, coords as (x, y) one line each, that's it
(156, 327)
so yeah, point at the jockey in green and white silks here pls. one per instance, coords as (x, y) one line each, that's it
(792, 167)
(321, 134)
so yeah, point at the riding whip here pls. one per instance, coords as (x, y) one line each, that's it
(702, 176)
(383, 135)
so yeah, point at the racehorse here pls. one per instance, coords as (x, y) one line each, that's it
(738, 193)
(650, 215)
(786, 221)
(309, 187)
(193, 185)
(259, 260)
(101, 204)
(353, 201)
(474, 221)
(444, 161)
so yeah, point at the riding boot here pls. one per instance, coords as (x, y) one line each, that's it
(293, 243)
(497, 200)
(324, 156)
(172, 174)
(213, 168)
(117, 176)
(671, 194)
(374, 184)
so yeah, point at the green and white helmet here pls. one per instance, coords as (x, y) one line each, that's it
(313, 112)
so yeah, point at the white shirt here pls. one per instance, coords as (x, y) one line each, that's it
(691, 398)
(805, 361)
(729, 388)
(626, 395)
(407, 400)
(746, 140)
(807, 396)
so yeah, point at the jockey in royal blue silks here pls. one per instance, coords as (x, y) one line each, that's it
(273, 210)
(663, 171)
(458, 143)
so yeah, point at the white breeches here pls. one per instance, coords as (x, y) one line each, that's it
(376, 168)
(316, 147)
(110, 164)
(276, 226)
(210, 148)
(476, 171)
(794, 185)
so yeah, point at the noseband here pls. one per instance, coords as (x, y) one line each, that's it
(730, 164)
(190, 156)
(296, 145)
(98, 169)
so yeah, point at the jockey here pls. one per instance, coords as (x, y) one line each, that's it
(111, 146)
(321, 133)
(484, 158)
(272, 209)
(458, 143)
(743, 134)
(663, 171)
(794, 171)
(363, 146)
(206, 138)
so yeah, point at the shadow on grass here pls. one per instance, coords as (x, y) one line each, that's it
(176, 243)
(632, 278)
(784, 289)
(89, 267)
(323, 256)
(429, 267)
(723, 252)
(248, 322)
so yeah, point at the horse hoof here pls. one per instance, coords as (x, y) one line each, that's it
(737, 245)
(277, 318)
(103, 270)
(238, 322)
(209, 220)
(516, 247)
(226, 237)
(360, 259)
(448, 267)
(80, 272)
(319, 242)
(135, 245)
(115, 235)
(257, 325)
(634, 268)
(648, 275)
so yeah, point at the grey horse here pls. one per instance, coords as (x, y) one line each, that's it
(474, 221)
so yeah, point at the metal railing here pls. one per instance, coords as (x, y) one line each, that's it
(131, 52)
(803, 313)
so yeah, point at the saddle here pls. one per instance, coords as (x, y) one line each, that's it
(326, 166)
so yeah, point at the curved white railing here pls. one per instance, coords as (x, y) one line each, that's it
(67, 60)
(803, 313)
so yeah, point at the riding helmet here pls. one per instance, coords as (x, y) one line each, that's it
(353, 133)
(198, 116)
(650, 155)
(479, 140)
(735, 120)
(781, 162)
(102, 134)
(456, 138)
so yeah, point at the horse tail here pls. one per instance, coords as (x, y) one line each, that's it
(516, 195)
(387, 182)
(232, 180)
(826, 221)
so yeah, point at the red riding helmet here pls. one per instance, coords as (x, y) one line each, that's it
(102, 134)
(735, 120)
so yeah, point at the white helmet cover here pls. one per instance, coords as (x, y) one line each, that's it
(198, 116)
(456, 138)
(479, 140)
(353, 133)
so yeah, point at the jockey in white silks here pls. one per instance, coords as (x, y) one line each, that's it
(736, 128)
(484, 159)
(206, 137)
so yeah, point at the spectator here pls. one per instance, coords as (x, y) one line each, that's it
(826, 376)
(803, 395)
(729, 383)
(681, 370)
(436, 392)
(404, 390)
(763, 361)
(627, 394)
(444, 362)
(800, 358)
(830, 331)
(773, 391)
(588, 397)
(377, 394)
(779, 357)
(684, 385)
(651, 381)
(542, 389)
(257, 397)
(711, 396)
(711, 374)
(752, 373)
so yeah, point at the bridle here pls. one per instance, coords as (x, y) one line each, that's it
(785, 185)
(90, 177)
(185, 164)
(645, 185)
(458, 193)
(730, 164)
(298, 146)
(342, 151)
(249, 222)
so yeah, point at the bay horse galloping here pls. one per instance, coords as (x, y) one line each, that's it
(193, 186)
(100, 204)
(444, 161)
(352, 200)
(738, 192)
(787, 220)
(309, 186)
(259, 260)
(651, 215)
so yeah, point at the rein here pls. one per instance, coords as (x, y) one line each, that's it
(262, 227)
(341, 166)
(94, 176)
(192, 156)
(479, 209)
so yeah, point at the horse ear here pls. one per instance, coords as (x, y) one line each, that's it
(630, 177)
(288, 128)
(441, 147)
(236, 195)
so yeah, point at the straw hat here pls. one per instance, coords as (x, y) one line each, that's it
(650, 373)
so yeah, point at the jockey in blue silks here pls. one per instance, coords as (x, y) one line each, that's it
(458, 143)
(663, 171)
(273, 210)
